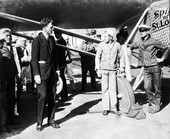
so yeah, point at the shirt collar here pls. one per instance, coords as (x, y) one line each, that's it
(45, 34)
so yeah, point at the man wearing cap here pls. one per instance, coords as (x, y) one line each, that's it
(122, 35)
(148, 48)
(109, 58)
(44, 64)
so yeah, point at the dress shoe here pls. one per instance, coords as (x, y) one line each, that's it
(39, 127)
(153, 109)
(54, 125)
(105, 112)
(116, 112)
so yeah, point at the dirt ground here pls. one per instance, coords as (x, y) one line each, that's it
(81, 117)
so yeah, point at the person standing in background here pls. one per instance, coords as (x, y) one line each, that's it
(62, 53)
(88, 63)
(69, 68)
(122, 35)
(3, 94)
(12, 71)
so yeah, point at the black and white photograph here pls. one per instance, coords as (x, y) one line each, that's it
(84, 69)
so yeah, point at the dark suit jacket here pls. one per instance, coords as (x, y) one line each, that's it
(62, 53)
(9, 62)
(44, 50)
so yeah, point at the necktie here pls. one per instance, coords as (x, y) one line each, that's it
(48, 40)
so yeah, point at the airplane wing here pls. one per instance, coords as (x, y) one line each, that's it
(71, 14)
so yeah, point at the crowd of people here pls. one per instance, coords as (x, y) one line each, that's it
(41, 63)
(15, 60)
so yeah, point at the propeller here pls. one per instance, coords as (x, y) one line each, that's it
(29, 21)
(69, 48)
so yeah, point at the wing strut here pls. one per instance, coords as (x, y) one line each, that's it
(127, 63)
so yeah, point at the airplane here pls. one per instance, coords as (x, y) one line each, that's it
(25, 15)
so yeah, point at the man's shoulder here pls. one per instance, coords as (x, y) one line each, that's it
(62, 41)
(51, 37)
(36, 38)
(39, 36)
(101, 44)
(116, 43)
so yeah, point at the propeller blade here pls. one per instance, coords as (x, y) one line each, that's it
(29, 21)
(72, 49)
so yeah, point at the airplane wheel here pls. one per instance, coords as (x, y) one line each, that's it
(125, 94)
(59, 86)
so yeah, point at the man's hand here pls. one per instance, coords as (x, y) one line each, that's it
(121, 72)
(37, 79)
(159, 60)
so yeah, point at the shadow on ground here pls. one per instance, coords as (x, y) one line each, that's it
(27, 109)
(165, 92)
(28, 106)
(83, 109)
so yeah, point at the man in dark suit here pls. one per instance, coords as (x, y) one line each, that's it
(44, 65)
